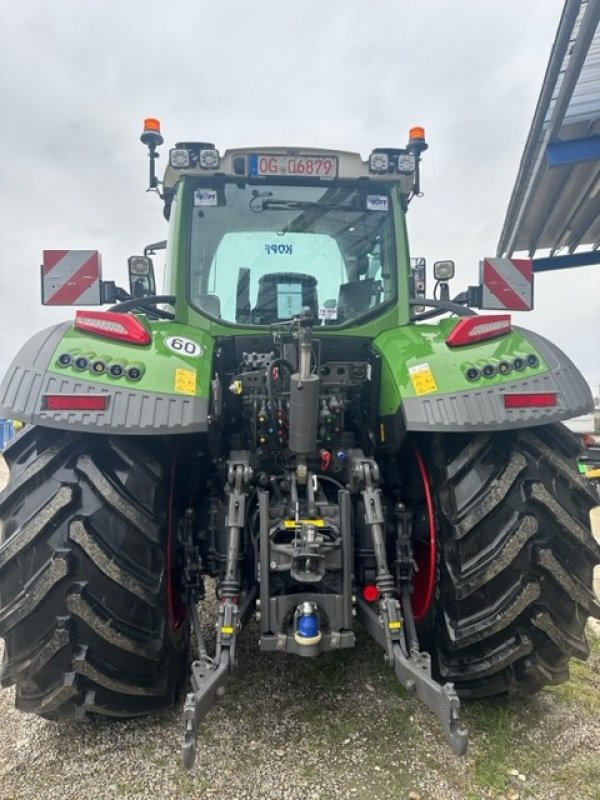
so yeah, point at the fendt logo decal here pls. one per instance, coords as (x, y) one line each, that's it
(71, 278)
(507, 283)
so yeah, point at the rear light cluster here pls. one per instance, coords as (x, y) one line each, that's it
(530, 400)
(490, 370)
(479, 328)
(113, 325)
(99, 365)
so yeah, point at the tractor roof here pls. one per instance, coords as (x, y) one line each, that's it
(392, 165)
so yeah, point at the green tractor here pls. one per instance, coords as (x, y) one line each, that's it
(296, 420)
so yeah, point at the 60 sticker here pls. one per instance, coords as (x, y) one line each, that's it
(182, 346)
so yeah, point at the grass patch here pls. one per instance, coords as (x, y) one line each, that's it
(580, 778)
(330, 671)
(499, 740)
(499, 733)
(583, 689)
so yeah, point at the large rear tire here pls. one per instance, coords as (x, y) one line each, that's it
(85, 605)
(515, 583)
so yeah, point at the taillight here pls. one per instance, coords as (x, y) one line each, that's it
(75, 402)
(530, 400)
(476, 329)
(113, 325)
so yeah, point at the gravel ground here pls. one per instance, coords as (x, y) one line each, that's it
(335, 727)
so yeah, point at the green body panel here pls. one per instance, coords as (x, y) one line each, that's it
(425, 346)
(165, 371)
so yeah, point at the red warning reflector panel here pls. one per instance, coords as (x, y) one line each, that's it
(538, 400)
(71, 278)
(506, 284)
(75, 402)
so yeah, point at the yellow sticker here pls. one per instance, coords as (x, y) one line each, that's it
(185, 381)
(422, 379)
(227, 629)
(291, 523)
(395, 625)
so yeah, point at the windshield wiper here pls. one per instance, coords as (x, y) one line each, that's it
(268, 205)
(310, 210)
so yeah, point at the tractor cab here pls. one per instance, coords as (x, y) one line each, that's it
(263, 233)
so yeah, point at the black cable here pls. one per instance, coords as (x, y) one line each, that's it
(441, 307)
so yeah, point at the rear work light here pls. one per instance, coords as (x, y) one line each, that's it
(379, 162)
(209, 159)
(113, 325)
(530, 400)
(179, 158)
(75, 402)
(476, 329)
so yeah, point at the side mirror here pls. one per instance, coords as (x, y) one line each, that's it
(443, 271)
(142, 282)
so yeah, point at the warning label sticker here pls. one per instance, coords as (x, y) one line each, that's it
(422, 379)
(328, 313)
(185, 381)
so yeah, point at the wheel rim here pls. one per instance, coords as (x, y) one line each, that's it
(425, 554)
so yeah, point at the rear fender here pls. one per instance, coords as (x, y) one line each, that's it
(429, 386)
(170, 396)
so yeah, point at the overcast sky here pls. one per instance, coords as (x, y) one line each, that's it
(77, 78)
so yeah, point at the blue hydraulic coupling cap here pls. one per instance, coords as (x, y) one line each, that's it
(307, 624)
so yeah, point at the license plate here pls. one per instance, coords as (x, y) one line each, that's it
(296, 166)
